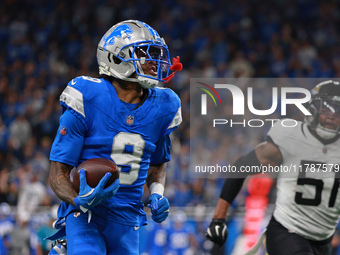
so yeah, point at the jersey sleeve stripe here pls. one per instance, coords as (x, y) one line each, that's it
(74, 99)
(177, 119)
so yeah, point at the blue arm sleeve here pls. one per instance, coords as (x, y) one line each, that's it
(162, 152)
(69, 140)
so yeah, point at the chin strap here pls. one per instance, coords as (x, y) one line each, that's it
(325, 133)
(176, 66)
(146, 82)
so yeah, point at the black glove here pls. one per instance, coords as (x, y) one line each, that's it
(217, 231)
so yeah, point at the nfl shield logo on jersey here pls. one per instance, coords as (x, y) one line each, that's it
(130, 119)
(63, 130)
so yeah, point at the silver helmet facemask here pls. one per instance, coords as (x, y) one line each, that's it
(127, 46)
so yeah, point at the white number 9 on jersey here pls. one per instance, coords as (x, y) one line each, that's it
(127, 150)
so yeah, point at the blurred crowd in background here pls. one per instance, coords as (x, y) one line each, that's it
(45, 44)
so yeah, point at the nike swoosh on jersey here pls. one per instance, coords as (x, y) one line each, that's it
(91, 201)
(73, 82)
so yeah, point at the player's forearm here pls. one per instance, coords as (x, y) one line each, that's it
(156, 179)
(59, 180)
(264, 154)
(221, 209)
(157, 174)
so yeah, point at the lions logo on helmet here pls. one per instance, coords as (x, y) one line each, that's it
(325, 101)
(128, 45)
(117, 32)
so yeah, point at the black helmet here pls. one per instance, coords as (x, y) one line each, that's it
(325, 98)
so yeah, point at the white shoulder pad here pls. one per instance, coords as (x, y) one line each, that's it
(283, 129)
(177, 120)
(74, 99)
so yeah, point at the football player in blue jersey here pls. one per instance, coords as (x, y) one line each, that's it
(122, 116)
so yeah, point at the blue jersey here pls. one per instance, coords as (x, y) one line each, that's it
(97, 124)
(179, 240)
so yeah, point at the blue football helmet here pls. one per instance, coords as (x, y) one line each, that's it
(128, 45)
(325, 100)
